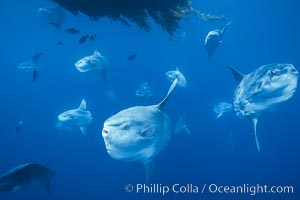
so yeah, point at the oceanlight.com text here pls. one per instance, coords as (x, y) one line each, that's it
(250, 189)
(207, 188)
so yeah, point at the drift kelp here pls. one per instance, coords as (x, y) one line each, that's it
(166, 13)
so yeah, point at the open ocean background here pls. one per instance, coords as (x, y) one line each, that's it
(220, 151)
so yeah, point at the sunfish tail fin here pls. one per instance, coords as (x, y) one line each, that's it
(237, 75)
(225, 29)
(149, 165)
(254, 122)
(46, 184)
(162, 104)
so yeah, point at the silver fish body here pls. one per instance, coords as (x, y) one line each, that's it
(263, 90)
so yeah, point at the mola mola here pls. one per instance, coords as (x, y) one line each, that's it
(138, 133)
(79, 117)
(95, 62)
(213, 39)
(176, 74)
(263, 90)
(222, 108)
(52, 15)
(24, 174)
(181, 126)
(145, 90)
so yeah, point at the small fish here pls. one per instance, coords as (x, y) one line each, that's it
(83, 39)
(72, 31)
(181, 126)
(95, 62)
(176, 74)
(60, 43)
(92, 37)
(263, 90)
(79, 117)
(138, 133)
(213, 39)
(222, 108)
(131, 57)
(24, 174)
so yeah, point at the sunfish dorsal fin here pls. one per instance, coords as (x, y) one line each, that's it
(162, 104)
(97, 53)
(254, 124)
(225, 29)
(237, 75)
(82, 105)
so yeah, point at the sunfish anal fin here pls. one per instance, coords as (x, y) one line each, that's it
(162, 104)
(83, 130)
(254, 124)
(149, 165)
(82, 105)
(46, 184)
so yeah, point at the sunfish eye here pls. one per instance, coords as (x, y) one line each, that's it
(125, 126)
(273, 72)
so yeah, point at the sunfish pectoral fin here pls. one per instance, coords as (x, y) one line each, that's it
(219, 115)
(149, 165)
(254, 124)
(237, 75)
(82, 105)
(162, 104)
(83, 130)
(147, 130)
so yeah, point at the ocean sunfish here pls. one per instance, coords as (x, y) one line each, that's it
(79, 117)
(263, 90)
(32, 66)
(25, 174)
(138, 133)
(180, 126)
(52, 15)
(213, 39)
(95, 62)
(176, 74)
(221, 108)
(145, 91)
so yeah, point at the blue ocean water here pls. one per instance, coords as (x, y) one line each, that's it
(219, 151)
